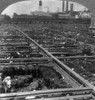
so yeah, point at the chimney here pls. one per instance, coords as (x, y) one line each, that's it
(72, 7)
(63, 6)
(67, 4)
(40, 5)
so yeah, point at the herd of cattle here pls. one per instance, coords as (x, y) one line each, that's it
(70, 40)
(60, 40)
(24, 75)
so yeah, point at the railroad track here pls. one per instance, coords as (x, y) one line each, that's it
(79, 87)
(49, 94)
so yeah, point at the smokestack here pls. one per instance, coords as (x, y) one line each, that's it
(40, 5)
(63, 6)
(67, 4)
(72, 7)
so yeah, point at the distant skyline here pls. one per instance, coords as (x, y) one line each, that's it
(25, 7)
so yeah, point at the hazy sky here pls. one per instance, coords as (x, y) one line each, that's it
(32, 5)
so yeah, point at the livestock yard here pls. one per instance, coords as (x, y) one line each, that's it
(47, 58)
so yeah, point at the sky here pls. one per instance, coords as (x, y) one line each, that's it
(25, 7)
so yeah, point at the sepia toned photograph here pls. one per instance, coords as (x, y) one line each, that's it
(47, 49)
